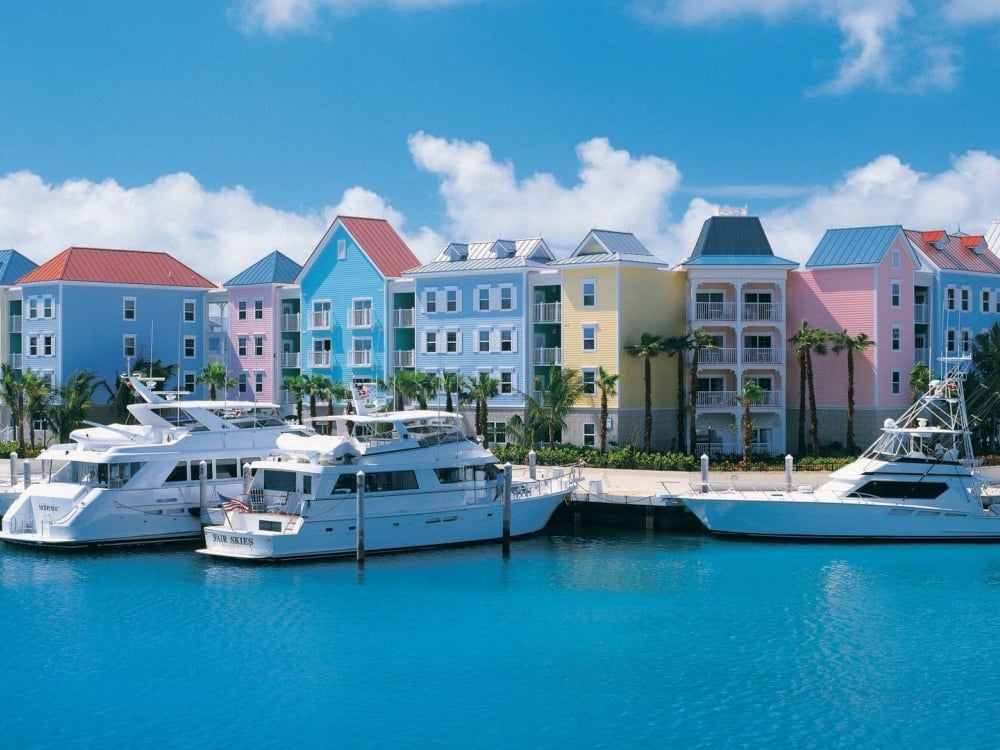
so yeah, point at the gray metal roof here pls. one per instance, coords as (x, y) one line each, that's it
(587, 260)
(483, 264)
(733, 241)
(458, 252)
(275, 268)
(858, 246)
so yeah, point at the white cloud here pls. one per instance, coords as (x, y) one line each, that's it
(889, 44)
(277, 16)
(485, 199)
(217, 233)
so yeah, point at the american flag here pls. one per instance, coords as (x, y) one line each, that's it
(235, 504)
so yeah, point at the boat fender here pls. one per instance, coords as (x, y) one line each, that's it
(168, 438)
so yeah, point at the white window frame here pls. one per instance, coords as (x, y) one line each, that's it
(321, 315)
(430, 342)
(453, 341)
(129, 305)
(242, 346)
(507, 299)
(588, 378)
(483, 302)
(895, 293)
(588, 288)
(484, 336)
(129, 343)
(507, 382)
(430, 301)
(896, 337)
(258, 345)
(190, 311)
(241, 309)
(190, 345)
(591, 329)
(341, 249)
(590, 434)
(452, 299)
(896, 382)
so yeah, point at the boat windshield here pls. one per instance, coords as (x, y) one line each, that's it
(97, 474)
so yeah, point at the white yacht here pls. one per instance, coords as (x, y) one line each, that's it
(425, 485)
(123, 484)
(917, 481)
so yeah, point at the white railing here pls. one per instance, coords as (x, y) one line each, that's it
(403, 358)
(361, 318)
(361, 358)
(717, 399)
(14, 322)
(921, 312)
(727, 447)
(403, 317)
(715, 311)
(15, 361)
(763, 311)
(290, 322)
(758, 356)
(319, 359)
(547, 312)
(319, 320)
(922, 355)
(716, 356)
(290, 359)
(547, 356)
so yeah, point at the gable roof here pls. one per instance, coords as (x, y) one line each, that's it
(856, 246)
(381, 243)
(954, 252)
(13, 266)
(732, 241)
(606, 246)
(274, 268)
(90, 264)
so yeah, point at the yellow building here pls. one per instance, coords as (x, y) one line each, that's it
(613, 290)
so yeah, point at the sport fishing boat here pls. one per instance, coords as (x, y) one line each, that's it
(418, 480)
(147, 482)
(918, 481)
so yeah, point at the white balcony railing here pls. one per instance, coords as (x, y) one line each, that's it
(547, 312)
(361, 318)
(319, 359)
(290, 322)
(14, 323)
(715, 311)
(403, 358)
(290, 359)
(403, 317)
(730, 447)
(921, 312)
(319, 320)
(731, 399)
(547, 356)
(763, 311)
(762, 356)
(361, 358)
(15, 361)
(716, 356)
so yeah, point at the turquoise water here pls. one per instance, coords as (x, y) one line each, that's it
(607, 639)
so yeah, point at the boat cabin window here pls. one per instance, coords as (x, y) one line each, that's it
(454, 474)
(900, 490)
(227, 468)
(104, 475)
(196, 470)
(378, 481)
(279, 481)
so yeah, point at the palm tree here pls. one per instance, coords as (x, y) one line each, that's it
(451, 382)
(679, 346)
(919, 381)
(649, 346)
(36, 393)
(215, 376)
(73, 401)
(316, 387)
(338, 392)
(982, 396)
(844, 342)
(297, 388)
(13, 396)
(154, 368)
(700, 339)
(547, 413)
(480, 390)
(607, 384)
(751, 395)
(808, 341)
(425, 387)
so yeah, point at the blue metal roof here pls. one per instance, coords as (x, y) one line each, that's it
(275, 268)
(13, 266)
(733, 241)
(859, 246)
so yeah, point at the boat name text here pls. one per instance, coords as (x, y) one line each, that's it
(226, 539)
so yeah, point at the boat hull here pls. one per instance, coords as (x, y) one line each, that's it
(330, 536)
(792, 517)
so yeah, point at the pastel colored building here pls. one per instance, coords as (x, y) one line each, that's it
(737, 293)
(102, 310)
(614, 290)
(256, 332)
(489, 307)
(348, 289)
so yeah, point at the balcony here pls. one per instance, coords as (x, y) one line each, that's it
(922, 355)
(319, 359)
(15, 360)
(361, 318)
(14, 324)
(547, 356)
(731, 399)
(403, 317)
(758, 356)
(716, 356)
(722, 447)
(362, 358)
(290, 322)
(320, 320)
(403, 358)
(714, 311)
(547, 312)
(765, 311)
(290, 359)
(921, 312)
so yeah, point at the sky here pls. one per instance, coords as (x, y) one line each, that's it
(221, 130)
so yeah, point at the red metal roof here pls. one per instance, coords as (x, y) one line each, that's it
(952, 252)
(379, 240)
(116, 267)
